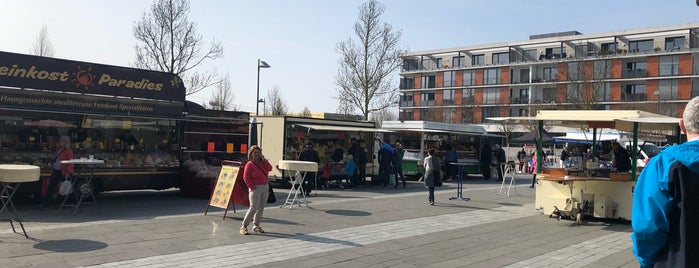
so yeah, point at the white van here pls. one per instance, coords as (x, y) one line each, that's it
(645, 149)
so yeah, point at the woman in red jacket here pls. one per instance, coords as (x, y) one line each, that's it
(60, 171)
(255, 177)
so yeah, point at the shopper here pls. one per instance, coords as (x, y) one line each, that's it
(501, 159)
(60, 171)
(522, 158)
(431, 174)
(665, 210)
(398, 154)
(255, 177)
(622, 159)
(385, 157)
(311, 155)
(359, 155)
(486, 159)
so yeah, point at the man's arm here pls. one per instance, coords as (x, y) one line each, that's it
(650, 211)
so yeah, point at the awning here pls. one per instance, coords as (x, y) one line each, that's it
(342, 128)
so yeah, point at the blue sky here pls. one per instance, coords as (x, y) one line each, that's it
(298, 37)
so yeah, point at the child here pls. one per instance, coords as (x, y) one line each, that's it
(350, 168)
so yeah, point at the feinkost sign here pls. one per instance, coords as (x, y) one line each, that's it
(27, 71)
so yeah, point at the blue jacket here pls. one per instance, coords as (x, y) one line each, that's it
(665, 213)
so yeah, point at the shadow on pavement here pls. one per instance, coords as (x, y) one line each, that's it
(344, 212)
(70, 245)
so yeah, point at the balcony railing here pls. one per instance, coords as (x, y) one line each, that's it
(406, 103)
(639, 73)
(447, 102)
(427, 103)
(520, 100)
(634, 97)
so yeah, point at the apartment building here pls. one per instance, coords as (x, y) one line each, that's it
(651, 69)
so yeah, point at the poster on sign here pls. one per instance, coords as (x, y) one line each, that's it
(222, 194)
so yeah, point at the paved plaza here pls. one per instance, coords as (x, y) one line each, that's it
(366, 227)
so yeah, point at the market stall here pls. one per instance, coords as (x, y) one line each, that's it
(591, 189)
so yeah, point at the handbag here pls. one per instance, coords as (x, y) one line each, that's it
(66, 188)
(271, 198)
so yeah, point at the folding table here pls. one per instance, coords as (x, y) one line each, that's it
(84, 173)
(11, 176)
(297, 173)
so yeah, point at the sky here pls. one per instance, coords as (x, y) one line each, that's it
(298, 38)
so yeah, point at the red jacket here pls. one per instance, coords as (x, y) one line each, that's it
(256, 174)
(66, 154)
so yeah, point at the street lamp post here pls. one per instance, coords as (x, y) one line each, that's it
(260, 64)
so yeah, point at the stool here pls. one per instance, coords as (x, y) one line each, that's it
(11, 176)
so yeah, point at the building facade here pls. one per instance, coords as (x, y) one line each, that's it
(651, 69)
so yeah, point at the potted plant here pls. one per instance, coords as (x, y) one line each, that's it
(656, 49)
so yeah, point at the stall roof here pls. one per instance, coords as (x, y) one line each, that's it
(617, 119)
(342, 128)
(433, 127)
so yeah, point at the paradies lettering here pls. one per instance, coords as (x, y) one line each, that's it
(143, 84)
(35, 73)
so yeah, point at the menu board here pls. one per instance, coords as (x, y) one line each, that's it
(223, 190)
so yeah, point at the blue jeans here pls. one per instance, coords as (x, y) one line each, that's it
(430, 189)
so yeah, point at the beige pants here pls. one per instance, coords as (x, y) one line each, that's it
(258, 200)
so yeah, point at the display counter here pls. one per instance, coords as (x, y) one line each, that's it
(600, 197)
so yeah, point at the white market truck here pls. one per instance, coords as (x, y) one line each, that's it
(283, 137)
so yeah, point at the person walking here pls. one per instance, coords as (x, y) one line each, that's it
(311, 155)
(398, 154)
(431, 174)
(255, 177)
(522, 158)
(60, 171)
(665, 210)
(564, 157)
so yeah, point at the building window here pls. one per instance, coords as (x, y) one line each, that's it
(674, 43)
(529, 55)
(608, 48)
(468, 96)
(603, 69)
(549, 95)
(501, 58)
(449, 78)
(524, 76)
(491, 76)
(458, 61)
(635, 93)
(635, 69)
(410, 64)
(406, 100)
(604, 90)
(428, 81)
(489, 112)
(554, 53)
(491, 95)
(641, 46)
(407, 83)
(669, 65)
(469, 78)
(575, 71)
(448, 97)
(405, 115)
(551, 74)
(427, 99)
(478, 59)
(667, 89)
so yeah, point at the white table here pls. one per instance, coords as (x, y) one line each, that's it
(11, 176)
(84, 173)
(508, 170)
(294, 168)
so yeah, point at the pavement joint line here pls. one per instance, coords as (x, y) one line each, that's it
(572, 256)
(100, 222)
(309, 244)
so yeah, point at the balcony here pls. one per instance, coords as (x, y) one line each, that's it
(427, 103)
(638, 73)
(406, 103)
(520, 100)
(447, 102)
(634, 97)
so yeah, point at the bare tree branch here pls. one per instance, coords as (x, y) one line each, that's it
(42, 46)
(169, 42)
(275, 103)
(223, 95)
(366, 64)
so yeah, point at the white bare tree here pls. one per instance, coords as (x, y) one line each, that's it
(275, 104)
(367, 63)
(223, 96)
(42, 46)
(169, 42)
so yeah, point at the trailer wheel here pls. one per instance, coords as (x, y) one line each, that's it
(84, 188)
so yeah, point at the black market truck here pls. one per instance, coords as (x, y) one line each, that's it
(120, 115)
(283, 137)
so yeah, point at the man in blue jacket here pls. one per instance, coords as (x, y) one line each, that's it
(665, 214)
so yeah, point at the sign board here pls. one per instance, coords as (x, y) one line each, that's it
(221, 195)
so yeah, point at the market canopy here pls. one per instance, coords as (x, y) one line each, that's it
(617, 119)
(533, 136)
(434, 127)
(342, 128)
